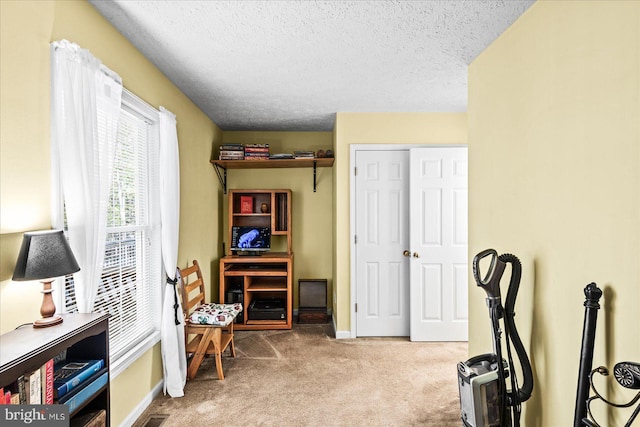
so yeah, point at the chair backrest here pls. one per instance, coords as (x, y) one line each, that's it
(192, 288)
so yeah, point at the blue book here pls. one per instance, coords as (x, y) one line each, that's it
(78, 397)
(71, 373)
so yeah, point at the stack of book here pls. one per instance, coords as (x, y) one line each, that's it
(303, 154)
(256, 151)
(75, 381)
(32, 388)
(231, 152)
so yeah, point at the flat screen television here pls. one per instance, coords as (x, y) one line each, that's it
(251, 240)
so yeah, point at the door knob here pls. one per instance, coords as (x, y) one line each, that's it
(406, 253)
(416, 255)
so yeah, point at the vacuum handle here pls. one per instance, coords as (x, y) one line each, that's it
(491, 281)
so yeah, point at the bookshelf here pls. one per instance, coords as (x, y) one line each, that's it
(82, 336)
(277, 215)
(267, 277)
(221, 166)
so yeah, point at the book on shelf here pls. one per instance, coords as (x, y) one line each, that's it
(70, 374)
(282, 212)
(246, 204)
(224, 157)
(46, 373)
(35, 387)
(77, 397)
(231, 147)
(10, 395)
(23, 392)
(280, 156)
(256, 146)
(300, 154)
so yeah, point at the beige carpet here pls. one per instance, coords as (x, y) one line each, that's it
(305, 377)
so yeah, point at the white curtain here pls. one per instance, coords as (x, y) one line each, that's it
(173, 348)
(85, 108)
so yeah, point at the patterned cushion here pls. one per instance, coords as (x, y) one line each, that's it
(215, 314)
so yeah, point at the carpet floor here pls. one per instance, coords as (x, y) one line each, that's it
(305, 377)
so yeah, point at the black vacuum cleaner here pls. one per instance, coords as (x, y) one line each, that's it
(485, 399)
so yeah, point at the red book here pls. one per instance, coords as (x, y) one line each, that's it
(47, 383)
(246, 204)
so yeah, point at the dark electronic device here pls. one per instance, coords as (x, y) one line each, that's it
(267, 309)
(250, 240)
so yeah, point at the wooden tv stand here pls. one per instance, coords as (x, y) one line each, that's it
(247, 278)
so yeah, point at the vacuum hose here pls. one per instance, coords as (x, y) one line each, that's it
(490, 283)
(524, 393)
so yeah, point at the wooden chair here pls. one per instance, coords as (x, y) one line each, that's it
(208, 327)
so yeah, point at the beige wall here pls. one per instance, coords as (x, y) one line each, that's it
(554, 155)
(376, 128)
(27, 29)
(312, 229)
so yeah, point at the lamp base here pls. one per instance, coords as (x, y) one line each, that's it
(48, 309)
(47, 321)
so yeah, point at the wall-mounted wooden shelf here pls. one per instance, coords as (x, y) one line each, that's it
(221, 166)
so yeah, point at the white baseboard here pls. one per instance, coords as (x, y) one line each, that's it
(135, 414)
(343, 335)
(340, 335)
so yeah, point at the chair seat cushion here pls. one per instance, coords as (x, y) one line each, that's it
(215, 314)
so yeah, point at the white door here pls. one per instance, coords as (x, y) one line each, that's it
(439, 272)
(382, 233)
(434, 274)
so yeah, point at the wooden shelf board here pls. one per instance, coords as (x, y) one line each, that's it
(266, 322)
(256, 272)
(281, 163)
(270, 287)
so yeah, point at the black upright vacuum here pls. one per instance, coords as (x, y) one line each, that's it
(485, 397)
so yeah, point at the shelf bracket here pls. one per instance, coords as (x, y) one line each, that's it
(222, 177)
(315, 162)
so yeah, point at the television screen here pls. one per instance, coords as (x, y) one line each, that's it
(250, 239)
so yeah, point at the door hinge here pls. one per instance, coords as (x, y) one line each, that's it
(355, 171)
(355, 239)
(356, 307)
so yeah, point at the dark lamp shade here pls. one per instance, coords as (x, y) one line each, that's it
(44, 255)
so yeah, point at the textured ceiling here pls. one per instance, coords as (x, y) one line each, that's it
(291, 65)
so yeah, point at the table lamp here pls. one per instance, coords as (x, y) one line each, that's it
(45, 256)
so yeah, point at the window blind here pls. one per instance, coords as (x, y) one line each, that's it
(131, 275)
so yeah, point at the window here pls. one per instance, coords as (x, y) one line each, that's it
(132, 272)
